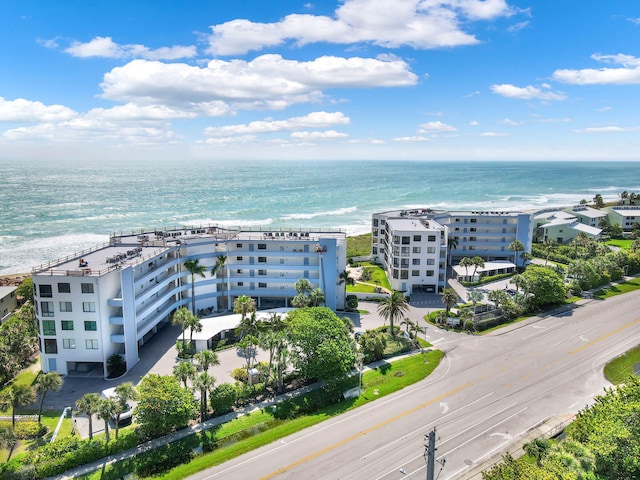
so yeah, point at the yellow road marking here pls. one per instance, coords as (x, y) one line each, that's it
(603, 337)
(364, 432)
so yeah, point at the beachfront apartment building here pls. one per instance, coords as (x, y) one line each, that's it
(451, 236)
(112, 298)
(562, 226)
(623, 215)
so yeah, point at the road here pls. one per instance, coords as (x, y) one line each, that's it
(488, 392)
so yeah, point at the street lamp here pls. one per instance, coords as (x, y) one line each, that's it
(402, 471)
(360, 363)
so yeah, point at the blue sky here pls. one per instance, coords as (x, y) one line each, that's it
(355, 79)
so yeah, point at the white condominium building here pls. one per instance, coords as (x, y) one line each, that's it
(414, 245)
(111, 299)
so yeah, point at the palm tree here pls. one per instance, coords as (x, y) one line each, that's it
(44, 383)
(344, 277)
(549, 245)
(125, 392)
(194, 325)
(244, 305)
(477, 263)
(220, 265)
(520, 282)
(8, 439)
(452, 244)
(466, 262)
(516, 246)
(450, 299)
(16, 396)
(393, 307)
(497, 297)
(250, 325)
(107, 408)
(474, 296)
(88, 405)
(206, 359)
(205, 383)
(184, 371)
(316, 297)
(194, 268)
(182, 317)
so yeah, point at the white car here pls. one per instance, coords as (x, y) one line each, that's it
(127, 415)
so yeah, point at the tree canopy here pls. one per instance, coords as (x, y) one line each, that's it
(163, 405)
(321, 347)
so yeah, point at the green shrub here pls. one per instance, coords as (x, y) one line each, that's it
(240, 374)
(223, 398)
(30, 430)
(162, 458)
(352, 302)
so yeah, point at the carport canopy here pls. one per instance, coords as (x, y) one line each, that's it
(490, 268)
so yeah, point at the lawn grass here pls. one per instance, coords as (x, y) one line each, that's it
(617, 289)
(243, 434)
(619, 369)
(620, 243)
(359, 245)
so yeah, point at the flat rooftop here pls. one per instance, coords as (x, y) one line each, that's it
(135, 248)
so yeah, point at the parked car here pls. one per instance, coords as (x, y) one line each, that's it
(127, 415)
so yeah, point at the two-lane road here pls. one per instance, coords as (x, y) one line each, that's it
(488, 392)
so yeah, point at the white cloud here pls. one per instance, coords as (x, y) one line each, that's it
(106, 47)
(603, 109)
(494, 134)
(628, 73)
(435, 127)
(422, 25)
(526, 93)
(312, 120)
(21, 110)
(554, 120)
(513, 123)
(268, 81)
(231, 140)
(607, 129)
(635, 20)
(416, 138)
(474, 123)
(518, 26)
(325, 135)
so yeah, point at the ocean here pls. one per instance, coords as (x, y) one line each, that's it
(51, 209)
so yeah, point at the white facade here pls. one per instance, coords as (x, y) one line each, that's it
(624, 215)
(111, 299)
(460, 234)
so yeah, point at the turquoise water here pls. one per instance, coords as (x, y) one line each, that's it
(51, 209)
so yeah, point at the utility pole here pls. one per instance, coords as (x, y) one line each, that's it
(430, 453)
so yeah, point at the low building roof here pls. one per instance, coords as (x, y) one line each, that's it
(488, 267)
(4, 291)
(211, 326)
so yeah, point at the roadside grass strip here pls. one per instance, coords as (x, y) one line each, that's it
(619, 369)
(261, 427)
(617, 289)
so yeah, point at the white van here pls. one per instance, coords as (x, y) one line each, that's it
(127, 415)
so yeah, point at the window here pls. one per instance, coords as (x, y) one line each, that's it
(406, 240)
(91, 344)
(90, 326)
(429, 273)
(416, 250)
(48, 327)
(431, 238)
(417, 238)
(50, 345)
(262, 285)
(395, 273)
(262, 259)
(262, 246)
(240, 284)
(67, 325)
(239, 259)
(415, 273)
(86, 287)
(238, 245)
(473, 239)
(375, 222)
(64, 288)
(474, 220)
(473, 229)
(239, 271)
(88, 306)
(431, 249)
(404, 263)
(45, 291)
(69, 343)
(47, 309)
(431, 261)
(262, 272)
(65, 307)
(472, 247)
(416, 261)
(404, 274)
(404, 251)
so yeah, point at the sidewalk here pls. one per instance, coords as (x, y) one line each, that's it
(194, 429)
